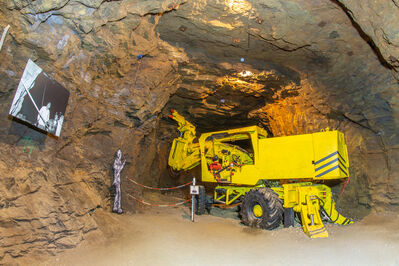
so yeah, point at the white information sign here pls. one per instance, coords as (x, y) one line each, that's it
(194, 190)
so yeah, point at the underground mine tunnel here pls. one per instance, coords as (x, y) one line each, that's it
(113, 70)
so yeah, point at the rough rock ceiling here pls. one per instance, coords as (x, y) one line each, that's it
(304, 41)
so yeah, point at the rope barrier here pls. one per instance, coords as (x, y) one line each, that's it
(155, 188)
(158, 205)
(344, 186)
(159, 189)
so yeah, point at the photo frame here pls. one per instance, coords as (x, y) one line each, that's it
(40, 100)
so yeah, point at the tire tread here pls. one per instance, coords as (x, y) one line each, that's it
(272, 208)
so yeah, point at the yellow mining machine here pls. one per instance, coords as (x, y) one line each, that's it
(272, 178)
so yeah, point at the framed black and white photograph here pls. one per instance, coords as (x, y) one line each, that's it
(40, 100)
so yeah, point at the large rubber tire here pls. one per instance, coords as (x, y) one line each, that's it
(271, 214)
(200, 204)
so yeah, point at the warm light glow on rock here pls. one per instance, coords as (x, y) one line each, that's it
(238, 6)
(245, 73)
(249, 87)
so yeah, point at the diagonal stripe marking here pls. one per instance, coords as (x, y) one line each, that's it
(316, 233)
(342, 170)
(343, 165)
(325, 158)
(329, 170)
(327, 164)
(341, 157)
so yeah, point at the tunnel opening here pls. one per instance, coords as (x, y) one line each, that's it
(222, 94)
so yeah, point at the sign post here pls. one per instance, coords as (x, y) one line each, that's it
(194, 190)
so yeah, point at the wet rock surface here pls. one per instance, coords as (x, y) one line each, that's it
(290, 66)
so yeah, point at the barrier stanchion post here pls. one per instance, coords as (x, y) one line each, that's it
(194, 190)
(192, 203)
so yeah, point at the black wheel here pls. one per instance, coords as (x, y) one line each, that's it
(209, 202)
(200, 201)
(262, 208)
(289, 217)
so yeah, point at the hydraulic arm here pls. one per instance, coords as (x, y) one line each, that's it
(184, 154)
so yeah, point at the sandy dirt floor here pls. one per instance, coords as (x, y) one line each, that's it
(168, 237)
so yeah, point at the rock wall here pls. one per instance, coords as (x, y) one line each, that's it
(313, 64)
(51, 189)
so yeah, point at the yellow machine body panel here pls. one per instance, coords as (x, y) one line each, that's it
(245, 155)
(316, 156)
(286, 157)
(330, 155)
